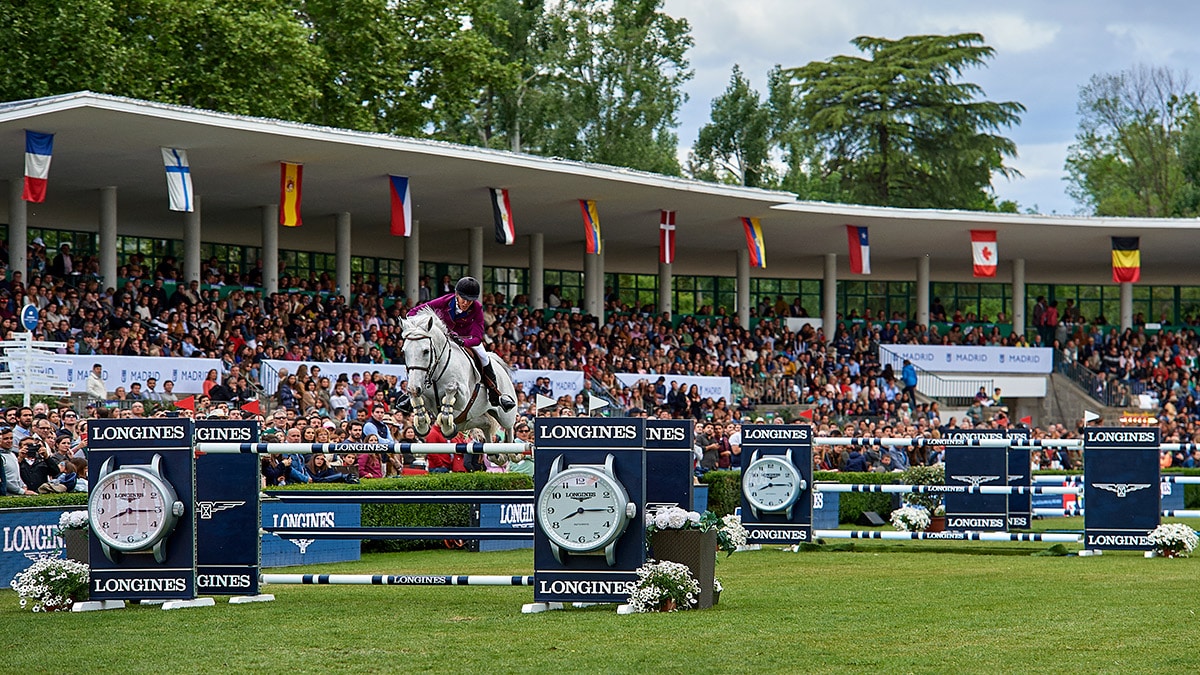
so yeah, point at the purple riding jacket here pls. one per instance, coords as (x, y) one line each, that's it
(468, 326)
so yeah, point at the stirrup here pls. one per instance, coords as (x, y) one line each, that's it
(507, 403)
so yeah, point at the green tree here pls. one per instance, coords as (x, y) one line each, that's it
(734, 147)
(897, 127)
(1137, 152)
(58, 47)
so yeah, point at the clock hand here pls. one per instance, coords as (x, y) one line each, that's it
(572, 515)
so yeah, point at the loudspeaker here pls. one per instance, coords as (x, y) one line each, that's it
(870, 518)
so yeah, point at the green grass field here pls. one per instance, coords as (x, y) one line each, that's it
(892, 607)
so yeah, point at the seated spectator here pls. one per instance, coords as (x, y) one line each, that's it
(321, 472)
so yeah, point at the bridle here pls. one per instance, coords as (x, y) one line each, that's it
(431, 379)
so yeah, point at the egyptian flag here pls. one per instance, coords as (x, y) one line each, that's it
(591, 226)
(666, 237)
(860, 250)
(506, 232)
(754, 242)
(290, 176)
(38, 147)
(1126, 259)
(401, 206)
(984, 252)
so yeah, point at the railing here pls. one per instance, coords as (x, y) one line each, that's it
(597, 389)
(1107, 391)
(952, 393)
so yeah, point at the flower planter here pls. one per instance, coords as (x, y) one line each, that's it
(76, 542)
(696, 549)
(937, 524)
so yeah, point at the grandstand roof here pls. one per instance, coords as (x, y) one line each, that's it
(103, 140)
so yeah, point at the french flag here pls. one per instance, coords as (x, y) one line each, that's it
(860, 250)
(38, 147)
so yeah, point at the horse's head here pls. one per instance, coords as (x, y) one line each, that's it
(423, 336)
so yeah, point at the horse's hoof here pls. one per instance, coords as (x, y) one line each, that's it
(421, 423)
(446, 424)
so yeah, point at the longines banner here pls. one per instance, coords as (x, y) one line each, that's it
(122, 371)
(941, 359)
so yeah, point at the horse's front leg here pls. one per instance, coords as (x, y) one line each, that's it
(446, 414)
(420, 416)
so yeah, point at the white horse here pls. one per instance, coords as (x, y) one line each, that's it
(444, 376)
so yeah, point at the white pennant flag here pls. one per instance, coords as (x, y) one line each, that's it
(179, 179)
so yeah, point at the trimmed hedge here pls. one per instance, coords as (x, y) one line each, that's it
(725, 493)
(420, 515)
(57, 499)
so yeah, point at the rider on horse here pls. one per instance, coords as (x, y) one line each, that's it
(462, 313)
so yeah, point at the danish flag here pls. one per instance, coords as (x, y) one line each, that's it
(666, 238)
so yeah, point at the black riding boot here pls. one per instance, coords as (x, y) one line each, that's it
(494, 396)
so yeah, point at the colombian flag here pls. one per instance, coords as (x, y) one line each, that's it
(1126, 259)
(591, 226)
(289, 193)
(754, 242)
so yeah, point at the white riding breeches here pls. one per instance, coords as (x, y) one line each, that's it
(481, 352)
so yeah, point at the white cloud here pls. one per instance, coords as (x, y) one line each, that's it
(1153, 44)
(1007, 33)
(1040, 183)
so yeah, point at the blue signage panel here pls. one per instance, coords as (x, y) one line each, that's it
(227, 511)
(509, 516)
(975, 466)
(669, 460)
(776, 501)
(1020, 472)
(29, 535)
(1121, 487)
(279, 552)
(143, 524)
(563, 571)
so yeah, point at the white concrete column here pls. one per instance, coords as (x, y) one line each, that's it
(270, 249)
(475, 253)
(598, 288)
(108, 237)
(666, 298)
(191, 243)
(742, 283)
(1126, 305)
(1018, 297)
(412, 265)
(18, 229)
(829, 297)
(537, 271)
(923, 290)
(342, 254)
(590, 264)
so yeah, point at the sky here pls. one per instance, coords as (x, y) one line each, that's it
(1044, 51)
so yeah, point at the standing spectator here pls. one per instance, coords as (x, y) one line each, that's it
(95, 383)
(37, 468)
(908, 376)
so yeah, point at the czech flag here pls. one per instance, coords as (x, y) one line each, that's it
(754, 242)
(1126, 259)
(38, 147)
(506, 232)
(591, 226)
(860, 250)
(290, 176)
(984, 252)
(666, 237)
(401, 206)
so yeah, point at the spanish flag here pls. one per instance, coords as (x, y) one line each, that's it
(1126, 259)
(591, 226)
(754, 242)
(290, 176)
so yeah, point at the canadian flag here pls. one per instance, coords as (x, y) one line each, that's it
(983, 250)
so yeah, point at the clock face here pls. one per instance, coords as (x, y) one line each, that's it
(131, 509)
(771, 483)
(582, 509)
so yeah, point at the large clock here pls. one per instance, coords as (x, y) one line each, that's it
(772, 484)
(584, 509)
(133, 509)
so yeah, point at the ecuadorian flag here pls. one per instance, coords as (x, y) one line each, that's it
(591, 225)
(1126, 259)
(754, 242)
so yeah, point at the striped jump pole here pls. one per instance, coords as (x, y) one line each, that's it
(1078, 480)
(950, 535)
(948, 489)
(399, 533)
(392, 497)
(1179, 447)
(399, 579)
(957, 442)
(359, 448)
(1172, 513)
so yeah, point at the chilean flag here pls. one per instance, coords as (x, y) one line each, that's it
(860, 250)
(984, 252)
(38, 147)
(666, 237)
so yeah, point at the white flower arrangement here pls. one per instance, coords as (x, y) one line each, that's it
(52, 584)
(73, 520)
(717, 586)
(664, 586)
(1174, 540)
(910, 519)
(731, 535)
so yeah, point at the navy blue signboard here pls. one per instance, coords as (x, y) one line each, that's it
(1121, 487)
(777, 483)
(510, 516)
(975, 466)
(589, 509)
(29, 317)
(669, 459)
(140, 506)
(1020, 507)
(30, 535)
(280, 552)
(227, 511)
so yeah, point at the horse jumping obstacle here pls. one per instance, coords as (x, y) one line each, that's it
(399, 579)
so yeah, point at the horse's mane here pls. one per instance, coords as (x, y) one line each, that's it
(438, 324)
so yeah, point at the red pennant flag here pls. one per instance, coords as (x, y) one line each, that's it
(188, 403)
(807, 414)
(666, 237)
(253, 407)
(1028, 419)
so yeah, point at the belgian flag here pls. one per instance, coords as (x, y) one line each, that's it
(1126, 259)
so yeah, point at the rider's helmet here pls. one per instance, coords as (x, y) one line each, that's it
(468, 288)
